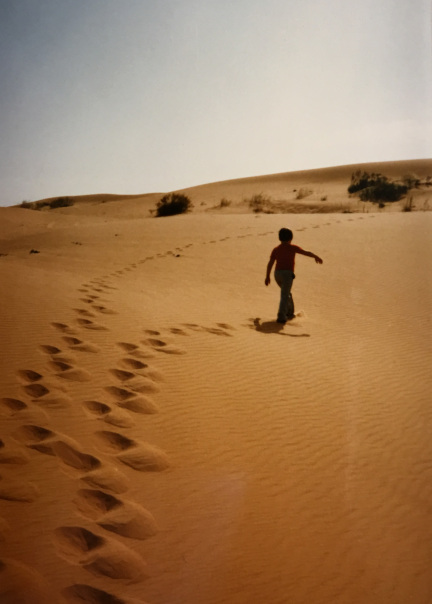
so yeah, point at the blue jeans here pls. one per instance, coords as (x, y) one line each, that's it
(286, 306)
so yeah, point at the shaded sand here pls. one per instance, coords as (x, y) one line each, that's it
(165, 441)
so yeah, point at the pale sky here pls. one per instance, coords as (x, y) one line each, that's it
(139, 96)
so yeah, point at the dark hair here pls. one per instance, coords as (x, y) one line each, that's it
(285, 235)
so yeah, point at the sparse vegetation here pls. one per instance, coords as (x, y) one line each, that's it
(224, 203)
(52, 204)
(60, 202)
(376, 187)
(173, 203)
(412, 181)
(304, 192)
(260, 203)
(408, 205)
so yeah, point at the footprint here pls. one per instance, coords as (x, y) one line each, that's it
(151, 332)
(15, 490)
(121, 375)
(80, 593)
(29, 375)
(114, 442)
(107, 479)
(12, 406)
(98, 555)
(77, 344)
(111, 513)
(178, 332)
(192, 326)
(36, 390)
(74, 458)
(142, 369)
(139, 456)
(36, 437)
(68, 372)
(104, 310)
(120, 394)
(58, 401)
(127, 347)
(20, 584)
(63, 328)
(162, 346)
(139, 404)
(12, 455)
(50, 349)
(134, 364)
(135, 382)
(87, 324)
(134, 350)
(105, 413)
(216, 331)
(225, 326)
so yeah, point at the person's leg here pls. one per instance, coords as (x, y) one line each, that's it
(286, 305)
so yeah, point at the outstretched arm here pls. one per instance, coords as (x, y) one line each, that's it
(317, 259)
(269, 267)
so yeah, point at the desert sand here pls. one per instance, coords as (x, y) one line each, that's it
(165, 441)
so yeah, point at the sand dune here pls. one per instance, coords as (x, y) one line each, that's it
(165, 441)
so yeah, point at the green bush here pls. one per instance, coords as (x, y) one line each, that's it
(173, 203)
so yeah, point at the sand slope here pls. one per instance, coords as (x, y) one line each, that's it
(165, 441)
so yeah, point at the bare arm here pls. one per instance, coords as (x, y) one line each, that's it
(317, 259)
(269, 267)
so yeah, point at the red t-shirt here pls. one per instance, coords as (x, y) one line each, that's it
(284, 254)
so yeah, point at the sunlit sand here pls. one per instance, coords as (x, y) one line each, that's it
(164, 440)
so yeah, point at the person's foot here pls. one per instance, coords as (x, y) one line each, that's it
(291, 318)
(282, 321)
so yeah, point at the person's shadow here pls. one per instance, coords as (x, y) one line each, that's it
(274, 327)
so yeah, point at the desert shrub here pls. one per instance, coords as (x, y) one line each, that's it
(363, 180)
(304, 192)
(173, 203)
(408, 205)
(224, 203)
(259, 202)
(376, 187)
(384, 191)
(60, 202)
(27, 205)
(412, 181)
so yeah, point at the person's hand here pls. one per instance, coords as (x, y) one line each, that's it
(318, 260)
(267, 280)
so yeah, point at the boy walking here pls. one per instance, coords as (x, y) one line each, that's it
(284, 256)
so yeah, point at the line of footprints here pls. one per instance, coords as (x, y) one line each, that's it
(99, 498)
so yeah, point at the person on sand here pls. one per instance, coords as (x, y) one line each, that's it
(284, 256)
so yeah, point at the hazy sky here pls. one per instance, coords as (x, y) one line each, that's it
(136, 96)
